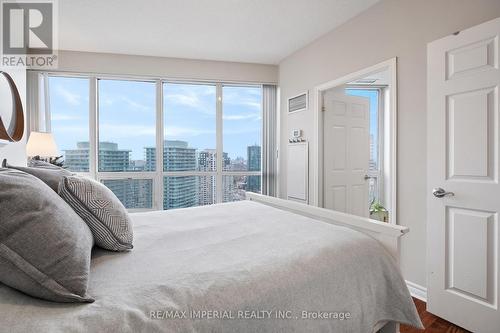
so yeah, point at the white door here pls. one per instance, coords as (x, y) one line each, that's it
(345, 152)
(463, 158)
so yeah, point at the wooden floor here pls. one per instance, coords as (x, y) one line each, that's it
(432, 323)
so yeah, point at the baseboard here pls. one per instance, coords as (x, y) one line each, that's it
(417, 291)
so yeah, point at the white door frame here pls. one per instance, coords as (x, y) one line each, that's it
(316, 195)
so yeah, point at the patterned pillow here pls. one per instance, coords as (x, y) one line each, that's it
(101, 210)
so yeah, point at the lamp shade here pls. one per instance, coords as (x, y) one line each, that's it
(41, 144)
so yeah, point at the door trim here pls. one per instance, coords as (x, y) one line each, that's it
(316, 195)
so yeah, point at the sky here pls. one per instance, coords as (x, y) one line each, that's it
(127, 114)
(372, 95)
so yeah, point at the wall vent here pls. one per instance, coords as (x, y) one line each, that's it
(297, 103)
(364, 81)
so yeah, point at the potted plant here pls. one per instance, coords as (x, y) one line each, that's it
(378, 212)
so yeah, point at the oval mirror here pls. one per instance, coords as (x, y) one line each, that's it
(11, 110)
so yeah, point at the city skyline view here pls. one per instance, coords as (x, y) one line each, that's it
(127, 135)
(76, 159)
(179, 191)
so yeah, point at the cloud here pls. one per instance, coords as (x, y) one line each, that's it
(250, 116)
(106, 100)
(190, 100)
(197, 98)
(247, 97)
(68, 96)
(62, 117)
(184, 132)
(73, 130)
(136, 105)
(252, 104)
(257, 92)
(120, 131)
(245, 130)
(112, 132)
(202, 99)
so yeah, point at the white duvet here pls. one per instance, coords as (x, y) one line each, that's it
(236, 267)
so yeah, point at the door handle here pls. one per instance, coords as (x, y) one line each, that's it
(368, 177)
(438, 192)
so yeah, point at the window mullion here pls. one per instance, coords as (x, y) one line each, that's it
(93, 128)
(158, 180)
(47, 108)
(219, 147)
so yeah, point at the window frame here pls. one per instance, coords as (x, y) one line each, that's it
(220, 182)
(158, 175)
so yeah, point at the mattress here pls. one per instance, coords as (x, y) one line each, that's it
(233, 267)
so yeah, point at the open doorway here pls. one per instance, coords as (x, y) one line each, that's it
(357, 140)
(374, 88)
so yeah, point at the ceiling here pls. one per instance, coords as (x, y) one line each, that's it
(255, 31)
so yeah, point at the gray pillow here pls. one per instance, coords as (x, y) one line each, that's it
(42, 164)
(45, 247)
(50, 174)
(101, 209)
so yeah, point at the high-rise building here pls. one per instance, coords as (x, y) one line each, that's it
(111, 158)
(77, 160)
(132, 193)
(238, 164)
(150, 158)
(373, 154)
(253, 162)
(234, 186)
(207, 161)
(253, 158)
(179, 191)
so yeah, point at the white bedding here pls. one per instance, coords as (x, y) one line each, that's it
(228, 259)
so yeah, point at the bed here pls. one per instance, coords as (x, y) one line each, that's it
(259, 265)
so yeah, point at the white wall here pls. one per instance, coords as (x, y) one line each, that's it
(173, 68)
(15, 153)
(391, 28)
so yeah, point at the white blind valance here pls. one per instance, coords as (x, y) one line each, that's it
(269, 140)
(38, 111)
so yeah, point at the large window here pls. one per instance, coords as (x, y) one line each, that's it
(69, 106)
(209, 135)
(196, 175)
(127, 125)
(190, 144)
(242, 137)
